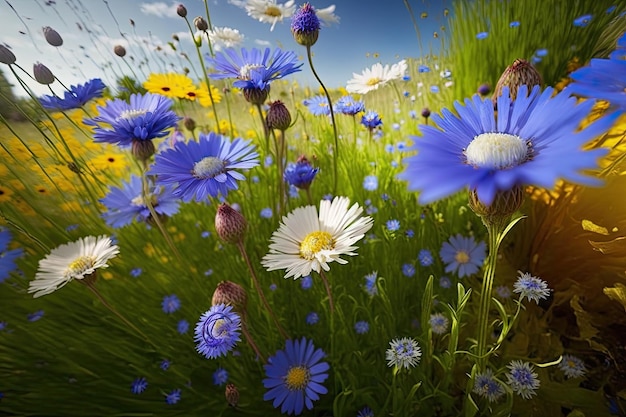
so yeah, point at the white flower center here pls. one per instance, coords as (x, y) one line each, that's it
(497, 151)
(208, 167)
(131, 114)
(79, 266)
(244, 72)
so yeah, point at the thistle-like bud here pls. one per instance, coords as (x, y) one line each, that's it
(278, 116)
(189, 124)
(119, 50)
(229, 293)
(305, 25)
(142, 149)
(181, 10)
(42, 74)
(200, 23)
(230, 225)
(256, 96)
(501, 208)
(519, 73)
(52, 36)
(232, 395)
(425, 112)
(6, 56)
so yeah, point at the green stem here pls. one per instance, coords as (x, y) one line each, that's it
(332, 118)
(248, 336)
(266, 130)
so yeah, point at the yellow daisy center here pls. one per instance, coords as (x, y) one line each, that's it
(461, 257)
(217, 330)
(80, 265)
(497, 151)
(315, 242)
(208, 167)
(297, 378)
(373, 81)
(273, 12)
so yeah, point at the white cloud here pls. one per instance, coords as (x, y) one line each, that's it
(262, 42)
(159, 9)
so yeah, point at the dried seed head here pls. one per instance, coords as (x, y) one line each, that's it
(200, 23)
(519, 73)
(230, 225)
(181, 10)
(52, 36)
(42, 74)
(229, 293)
(6, 56)
(232, 395)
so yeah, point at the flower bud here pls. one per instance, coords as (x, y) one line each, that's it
(305, 25)
(119, 50)
(42, 74)
(142, 149)
(232, 395)
(504, 204)
(484, 89)
(52, 36)
(229, 293)
(189, 124)
(519, 73)
(6, 56)
(425, 112)
(230, 225)
(200, 23)
(256, 95)
(278, 116)
(181, 10)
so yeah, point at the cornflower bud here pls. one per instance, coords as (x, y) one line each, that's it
(142, 149)
(181, 10)
(519, 73)
(200, 23)
(278, 116)
(52, 36)
(119, 50)
(42, 74)
(305, 25)
(256, 95)
(189, 124)
(230, 225)
(6, 56)
(232, 395)
(229, 293)
(425, 112)
(484, 89)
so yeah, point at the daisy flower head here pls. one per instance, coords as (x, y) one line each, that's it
(75, 97)
(295, 376)
(218, 331)
(531, 287)
(126, 204)
(572, 366)
(224, 37)
(204, 168)
(403, 353)
(372, 78)
(521, 378)
(463, 255)
(74, 260)
(267, 11)
(486, 385)
(307, 241)
(327, 15)
(534, 140)
(169, 84)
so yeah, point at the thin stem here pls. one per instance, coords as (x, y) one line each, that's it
(332, 118)
(230, 116)
(328, 292)
(259, 290)
(266, 131)
(248, 336)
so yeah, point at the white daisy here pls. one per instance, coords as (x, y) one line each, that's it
(74, 260)
(224, 37)
(327, 15)
(305, 241)
(267, 11)
(372, 78)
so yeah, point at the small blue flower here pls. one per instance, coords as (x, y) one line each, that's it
(438, 323)
(318, 105)
(487, 386)
(583, 20)
(306, 282)
(76, 97)
(7, 257)
(165, 364)
(273, 287)
(217, 331)
(349, 106)
(170, 304)
(301, 174)
(3, 325)
(521, 378)
(370, 183)
(173, 397)
(503, 291)
(482, 35)
(531, 287)
(393, 225)
(409, 233)
(541, 52)
(312, 318)
(220, 376)
(371, 120)
(35, 316)
(370, 283)
(266, 213)
(139, 385)
(463, 255)
(413, 114)
(423, 68)
(205, 234)
(361, 327)
(434, 89)
(403, 353)
(425, 257)
(135, 272)
(572, 366)
(408, 270)
(365, 412)
(268, 161)
(514, 24)
(183, 326)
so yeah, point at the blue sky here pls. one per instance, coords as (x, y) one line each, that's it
(369, 31)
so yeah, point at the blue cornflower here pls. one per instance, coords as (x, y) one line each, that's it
(438, 323)
(301, 174)
(583, 20)
(76, 97)
(521, 378)
(538, 136)
(409, 233)
(503, 291)
(205, 234)
(572, 366)
(371, 120)
(220, 376)
(413, 114)
(3, 325)
(408, 270)
(295, 376)
(266, 213)
(253, 69)
(7, 257)
(135, 272)
(541, 52)
(444, 282)
(165, 364)
(170, 304)
(273, 287)
(463, 255)
(35, 316)
(312, 318)
(603, 79)
(365, 412)
(318, 105)
(146, 117)
(425, 257)
(305, 25)
(182, 326)
(482, 35)
(306, 282)
(423, 68)
(370, 283)
(393, 225)
(173, 397)
(361, 327)
(217, 331)
(370, 183)
(205, 168)
(403, 353)
(531, 287)
(487, 386)
(349, 106)
(126, 203)
(139, 385)
(434, 89)
(514, 24)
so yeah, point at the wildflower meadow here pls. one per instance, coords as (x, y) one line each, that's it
(190, 231)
